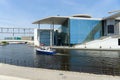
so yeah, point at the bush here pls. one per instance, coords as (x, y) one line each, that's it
(4, 43)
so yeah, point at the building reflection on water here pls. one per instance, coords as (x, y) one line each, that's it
(65, 65)
(52, 62)
(100, 62)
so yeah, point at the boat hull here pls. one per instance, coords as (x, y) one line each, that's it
(45, 52)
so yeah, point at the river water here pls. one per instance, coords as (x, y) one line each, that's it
(98, 62)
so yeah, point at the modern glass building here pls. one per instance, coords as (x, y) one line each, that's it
(74, 30)
(77, 31)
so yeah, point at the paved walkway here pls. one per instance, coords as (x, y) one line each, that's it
(10, 72)
(3, 77)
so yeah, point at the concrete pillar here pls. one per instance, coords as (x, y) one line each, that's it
(36, 37)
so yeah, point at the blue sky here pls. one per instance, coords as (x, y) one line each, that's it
(21, 13)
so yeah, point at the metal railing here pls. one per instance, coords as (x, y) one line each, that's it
(16, 30)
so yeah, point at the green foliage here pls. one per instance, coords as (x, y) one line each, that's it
(4, 43)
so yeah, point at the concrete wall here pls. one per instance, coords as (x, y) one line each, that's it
(116, 27)
(36, 38)
(27, 38)
(119, 27)
(107, 43)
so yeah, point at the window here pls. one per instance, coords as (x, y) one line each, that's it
(110, 28)
(118, 41)
(84, 30)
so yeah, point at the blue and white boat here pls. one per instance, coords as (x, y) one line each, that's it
(46, 51)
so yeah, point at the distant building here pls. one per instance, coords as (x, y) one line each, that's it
(20, 38)
(12, 38)
(27, 38)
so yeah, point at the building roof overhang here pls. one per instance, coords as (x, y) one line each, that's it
(114, 16)
(58, 20)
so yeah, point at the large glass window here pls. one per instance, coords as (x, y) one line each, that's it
(64, 35)
(83, 30)
(45, 37)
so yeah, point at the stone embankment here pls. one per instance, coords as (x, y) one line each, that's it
(10, 72)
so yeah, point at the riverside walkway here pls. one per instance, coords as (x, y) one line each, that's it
(11, 72)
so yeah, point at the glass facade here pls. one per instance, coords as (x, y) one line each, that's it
(45, 37)
(84, 30)
(64, 35)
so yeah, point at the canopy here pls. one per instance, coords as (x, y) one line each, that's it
(52, 20)
(114, 16)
